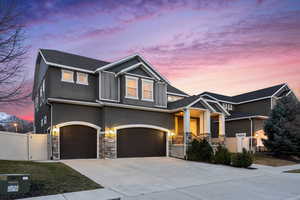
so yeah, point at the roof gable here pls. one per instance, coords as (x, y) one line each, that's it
(139, 71)
(257, 94)
(134, 58)
(246, 97)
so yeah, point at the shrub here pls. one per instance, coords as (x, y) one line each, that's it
(200, 151)
(244, 159)
(222, 156)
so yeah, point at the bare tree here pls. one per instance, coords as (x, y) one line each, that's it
(12, 53)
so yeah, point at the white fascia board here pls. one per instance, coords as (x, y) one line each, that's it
(249, 117)
(115, 63)
(136, 66)
(175, 94)
(234, 103)
(217, 99)
(128, 68)
(130, 57)
(280, 89)
(84, 103)
(64, 66)
(138, 107)
(201, 99)
(222, 108)
(164, 78)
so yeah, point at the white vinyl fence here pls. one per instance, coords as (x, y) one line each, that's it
(16, 146)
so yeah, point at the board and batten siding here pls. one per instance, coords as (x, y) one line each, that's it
(109, 86)
(160, 94)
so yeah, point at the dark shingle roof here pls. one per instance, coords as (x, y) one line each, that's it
(172, 89)
(215, 106)
(72, 60)
(265, 92)
(182, 102)
(218, 96)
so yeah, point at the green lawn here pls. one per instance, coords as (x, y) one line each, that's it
(48, 178)
(293, 171)
(269, 160)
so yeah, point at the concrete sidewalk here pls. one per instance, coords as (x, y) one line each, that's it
(99, 194)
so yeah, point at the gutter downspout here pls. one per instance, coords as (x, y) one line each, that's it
(51, 129)
(251, 132)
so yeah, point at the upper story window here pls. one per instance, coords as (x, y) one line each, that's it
(172, 98)
(147, 86)
(228, 106)
(82, 78)
(131, 87)
(67, 76)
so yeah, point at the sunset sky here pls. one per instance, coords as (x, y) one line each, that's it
(227, 47)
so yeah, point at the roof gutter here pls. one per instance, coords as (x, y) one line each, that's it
(249, 117)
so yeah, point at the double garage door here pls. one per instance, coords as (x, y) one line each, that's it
(77, 141)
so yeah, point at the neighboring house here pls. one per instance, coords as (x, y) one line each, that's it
(96, 109)
(248, 111)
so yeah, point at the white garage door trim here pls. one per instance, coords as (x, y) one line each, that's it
(98, 129)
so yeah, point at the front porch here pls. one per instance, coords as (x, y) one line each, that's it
(196, 123)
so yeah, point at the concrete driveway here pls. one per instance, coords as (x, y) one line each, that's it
(169, 178)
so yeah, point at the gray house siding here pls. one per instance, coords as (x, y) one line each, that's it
(139, 71)
(67, 112)
(43, 110)
(121, 116)
(109, 85)
(258, 124)
(125, 65)
(137, 102)
(74, 91)
(41, 70)
(262, 107)
(238, 126)
(159, 94)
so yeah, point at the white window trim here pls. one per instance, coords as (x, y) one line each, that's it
(82, 83)
(149, 81)
(137, 87)
(67, 71)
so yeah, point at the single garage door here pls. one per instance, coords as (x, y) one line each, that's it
(140, 142)
(77, 141)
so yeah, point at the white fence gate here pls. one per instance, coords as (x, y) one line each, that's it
(242, 142)
(16, 146)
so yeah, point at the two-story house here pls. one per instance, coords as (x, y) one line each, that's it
(248, 112)
(97, 109)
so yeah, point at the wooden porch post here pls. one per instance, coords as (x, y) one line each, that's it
(221, 125)
(207, 125)
(186, 128)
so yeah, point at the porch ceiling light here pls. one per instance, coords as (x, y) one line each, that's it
(171, 133)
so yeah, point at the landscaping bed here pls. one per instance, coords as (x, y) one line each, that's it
(293, 171)
(48, 178)
(269, 160)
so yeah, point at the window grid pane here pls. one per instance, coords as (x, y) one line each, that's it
(131, 87)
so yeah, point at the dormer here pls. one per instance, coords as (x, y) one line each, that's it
(132, 81)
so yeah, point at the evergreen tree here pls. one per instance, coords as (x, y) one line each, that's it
(283, 128)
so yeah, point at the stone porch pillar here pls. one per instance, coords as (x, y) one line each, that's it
(186, 128)
(207, 125)
(222, 125)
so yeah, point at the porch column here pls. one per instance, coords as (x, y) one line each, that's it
(186, 128)
(222, 125)
(207, 125)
